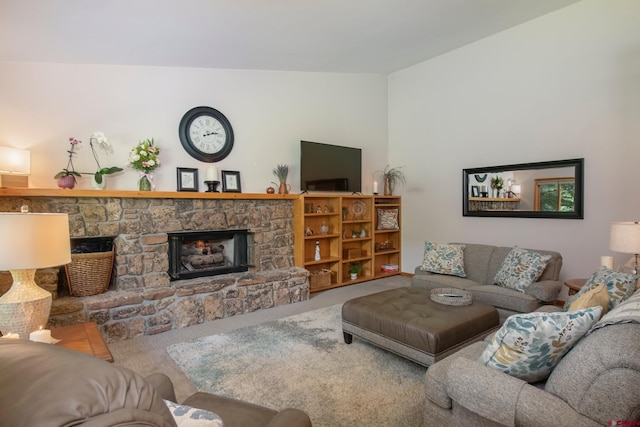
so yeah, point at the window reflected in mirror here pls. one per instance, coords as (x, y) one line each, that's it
(534, 190)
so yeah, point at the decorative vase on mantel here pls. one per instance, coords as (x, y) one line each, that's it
(388, 187)
(283, 188)
(144, 184)
(67, 181)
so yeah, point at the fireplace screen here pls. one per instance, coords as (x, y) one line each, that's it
(207, 253)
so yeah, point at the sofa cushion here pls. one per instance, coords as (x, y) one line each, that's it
(500, 297)
(520, 269)
(600, 376)
(529, 346)
(619, 285)
(597, 296)
(444, 259)
(46, 385)
(186, 416)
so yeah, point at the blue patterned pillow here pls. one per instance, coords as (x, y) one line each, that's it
(620, 286)
(520, 269)
(444, 259)
(186, 416)
(529, 346)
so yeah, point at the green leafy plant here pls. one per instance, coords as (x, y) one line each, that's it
(497, 183)
(281, 172)
(392, 177)
(355, 268)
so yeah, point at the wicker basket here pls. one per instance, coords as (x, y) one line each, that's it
(319, 278)
(89, 274)
(451, 296)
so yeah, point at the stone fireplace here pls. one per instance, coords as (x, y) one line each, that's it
(143, 298)
(207, 253)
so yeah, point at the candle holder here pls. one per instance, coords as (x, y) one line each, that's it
(212, 186)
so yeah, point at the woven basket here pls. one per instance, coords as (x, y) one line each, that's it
(89, 274)
(451, 296)
(319, 278)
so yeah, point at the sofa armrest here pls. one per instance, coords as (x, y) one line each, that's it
(163, 386)
(487, 392)
(290, 417)
(545, 290)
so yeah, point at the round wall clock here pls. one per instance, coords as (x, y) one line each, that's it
(206, 134)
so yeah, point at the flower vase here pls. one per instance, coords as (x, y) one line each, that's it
(283, 189)
(67, 181)
(144, 184)
(98, 186)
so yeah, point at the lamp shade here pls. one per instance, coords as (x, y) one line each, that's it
(625, 237)
(516, 188)
(33, 240)
(15, 161)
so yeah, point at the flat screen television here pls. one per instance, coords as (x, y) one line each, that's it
(326, 167)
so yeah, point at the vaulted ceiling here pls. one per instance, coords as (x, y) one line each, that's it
(352, 36)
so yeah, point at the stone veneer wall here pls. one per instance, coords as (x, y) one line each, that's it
(142, 300)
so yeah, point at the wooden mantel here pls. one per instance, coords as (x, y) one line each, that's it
(55, 192)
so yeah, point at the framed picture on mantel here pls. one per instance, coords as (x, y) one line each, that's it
(231, 182)
(187, 179)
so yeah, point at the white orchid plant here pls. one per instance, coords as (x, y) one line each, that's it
(99, 139)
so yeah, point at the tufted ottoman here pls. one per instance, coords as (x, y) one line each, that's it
(406, 322)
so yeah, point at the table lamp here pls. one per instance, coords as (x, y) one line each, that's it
(29, 241)
(15, 166)
(625, 238)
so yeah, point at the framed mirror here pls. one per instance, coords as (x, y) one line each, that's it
(553, 189)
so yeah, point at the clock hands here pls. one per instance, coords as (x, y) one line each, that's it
(209, 133)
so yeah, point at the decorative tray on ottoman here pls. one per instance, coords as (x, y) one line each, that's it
(451, 296)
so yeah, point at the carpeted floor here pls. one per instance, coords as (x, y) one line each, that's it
(302, 361)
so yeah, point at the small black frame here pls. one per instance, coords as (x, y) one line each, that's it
(231, 182)
(187, 179)
(475, 191)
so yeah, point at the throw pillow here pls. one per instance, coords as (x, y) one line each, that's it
(388, 219)
(444, 259)
(186, 416)
(596, 297)
(520, 269)
(529, 346)
(627, 311)
(620, 286)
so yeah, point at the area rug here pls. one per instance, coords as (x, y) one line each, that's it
(302, 362)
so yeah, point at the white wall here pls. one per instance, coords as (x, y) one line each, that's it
(42, 105)
(566, 85)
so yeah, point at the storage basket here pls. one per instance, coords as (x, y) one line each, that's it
(319, 278)
(89, 273)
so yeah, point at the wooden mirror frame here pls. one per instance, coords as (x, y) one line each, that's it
(578, 213)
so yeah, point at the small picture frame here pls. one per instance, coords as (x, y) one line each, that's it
(475, 191)
(231, 182)
(187, 179)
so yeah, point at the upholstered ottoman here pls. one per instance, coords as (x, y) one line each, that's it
(406, 321)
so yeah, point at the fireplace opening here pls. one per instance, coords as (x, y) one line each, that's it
(207, 253)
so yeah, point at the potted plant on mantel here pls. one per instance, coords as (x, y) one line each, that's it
(391, 177)
(67, 176)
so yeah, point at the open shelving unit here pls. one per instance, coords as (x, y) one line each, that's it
(345, 229)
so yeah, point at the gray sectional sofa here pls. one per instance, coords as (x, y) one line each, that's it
(481, 263)
(596, 382)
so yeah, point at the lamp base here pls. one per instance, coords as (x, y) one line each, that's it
(25, 307)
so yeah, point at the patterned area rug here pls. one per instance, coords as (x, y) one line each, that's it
(302, 362)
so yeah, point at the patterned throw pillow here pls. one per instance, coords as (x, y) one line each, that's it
(388, 219)
(520, 269)
(620, 286)
(529, 346)
(627, 311)
(597, 296)
(186, 416)
(444, 259)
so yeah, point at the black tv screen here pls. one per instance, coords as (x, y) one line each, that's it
(326, 167)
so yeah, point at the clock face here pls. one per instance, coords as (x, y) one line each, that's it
(206, 134)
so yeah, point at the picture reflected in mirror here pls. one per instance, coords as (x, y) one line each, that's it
(552, 189)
